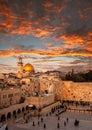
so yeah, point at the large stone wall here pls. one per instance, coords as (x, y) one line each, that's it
(68, 90)
(77, 91)
(53, 86)
(41, 101)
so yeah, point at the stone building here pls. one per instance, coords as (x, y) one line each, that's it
(43, 90)
(40, 101)
(9, 97)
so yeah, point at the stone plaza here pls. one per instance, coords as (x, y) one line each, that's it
(53, 122)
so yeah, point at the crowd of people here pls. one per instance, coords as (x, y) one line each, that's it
(42, 119)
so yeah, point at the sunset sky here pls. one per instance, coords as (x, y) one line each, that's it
(49, 34)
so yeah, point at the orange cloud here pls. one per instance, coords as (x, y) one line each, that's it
(54, 52)
(54, 7)
(72, 40)
(25, 23)
(83, 42)
(47, 4)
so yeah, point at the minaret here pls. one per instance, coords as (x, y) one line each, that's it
(20, 66)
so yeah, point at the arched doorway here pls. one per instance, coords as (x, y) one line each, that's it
(23, 109)
(34, 107)
(19, 111)
(26, 107)
(3, 118)
(9, 115)
(14, 113)
(52, 110)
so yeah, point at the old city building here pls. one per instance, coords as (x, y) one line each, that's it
(18, 91)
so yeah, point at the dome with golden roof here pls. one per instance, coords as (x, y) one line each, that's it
(28, 68)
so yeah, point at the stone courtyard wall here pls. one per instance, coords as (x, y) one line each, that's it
(77, 91)
(57, 87)
(69, 90)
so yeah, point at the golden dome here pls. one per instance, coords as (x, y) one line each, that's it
(28, 67)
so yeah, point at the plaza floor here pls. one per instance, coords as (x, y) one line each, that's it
(85, 122)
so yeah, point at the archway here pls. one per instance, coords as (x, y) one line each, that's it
(52, 110)
(3, 118)
(26, 107)
(14, 113)
(19, 111)
(34, 107)
(9, 115)
(23, 109)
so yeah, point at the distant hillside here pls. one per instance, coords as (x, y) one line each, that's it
(79, 77)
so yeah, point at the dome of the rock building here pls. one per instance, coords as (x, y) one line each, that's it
(28, 68)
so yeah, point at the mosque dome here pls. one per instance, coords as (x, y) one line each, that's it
(28, 68)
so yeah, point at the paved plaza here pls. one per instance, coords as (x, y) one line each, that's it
(51, 122)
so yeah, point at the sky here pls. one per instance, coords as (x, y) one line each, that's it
(49, 34)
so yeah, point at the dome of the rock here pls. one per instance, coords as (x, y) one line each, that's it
(28, 68)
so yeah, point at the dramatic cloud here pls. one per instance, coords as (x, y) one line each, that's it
(52, 28)
(53, 51)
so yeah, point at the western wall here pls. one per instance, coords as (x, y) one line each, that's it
(68, 90)
(77, 91)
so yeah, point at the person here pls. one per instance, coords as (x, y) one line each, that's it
(6, 128)
(64, 123)
(41, 119)
(15, 116)
(58, 118)
(47, 114)
(33, 123)
(38, 122)
(76, 123)
(26, 120)
(58, 125)
(67, 119)
(44, 125)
